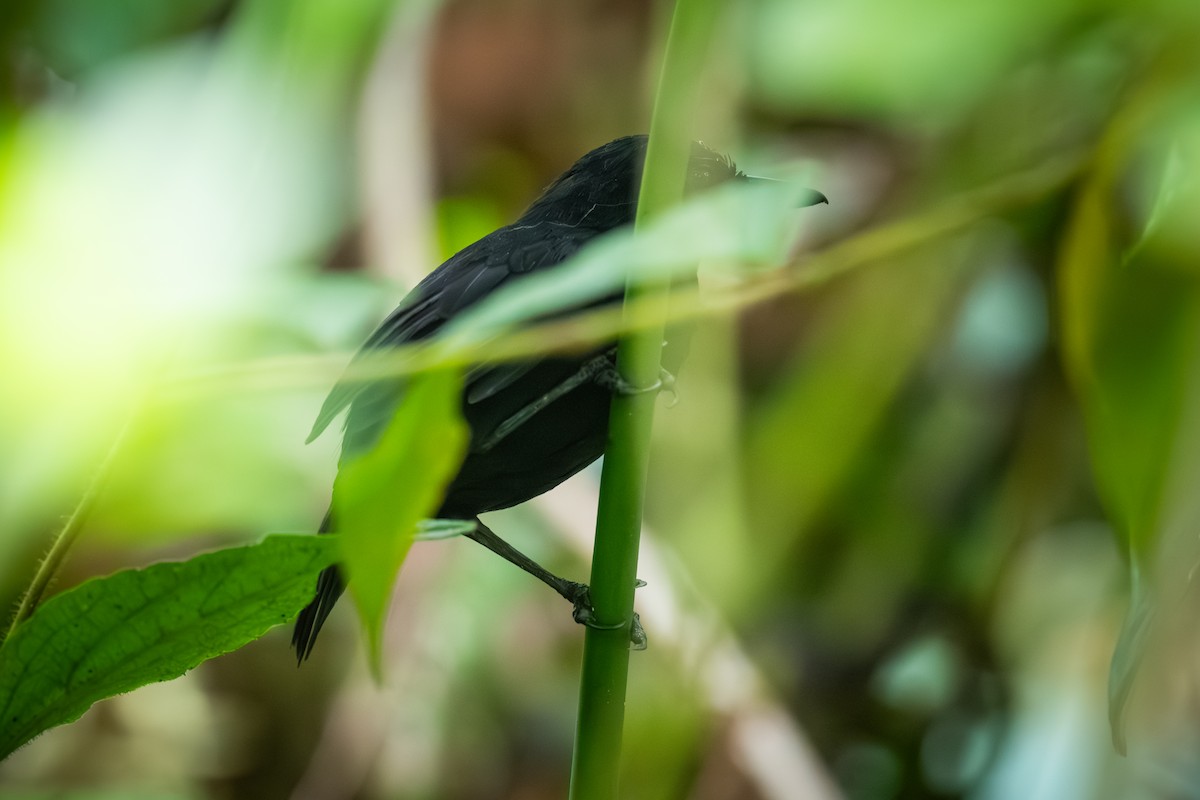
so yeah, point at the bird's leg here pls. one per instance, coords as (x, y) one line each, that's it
(525, 414)
(605, 374)
(578, 594)
(599, 370)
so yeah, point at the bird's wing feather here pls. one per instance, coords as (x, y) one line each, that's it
(401, 325)
(463, 280)
(538, 252)
(419, 316)
(486, 380)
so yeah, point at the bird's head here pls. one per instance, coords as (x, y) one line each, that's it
(600, 190)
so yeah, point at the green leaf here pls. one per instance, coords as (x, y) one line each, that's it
(734, 224)
(1131, 320)
(841, 386)
(1130, 347)
(76, 36)
(113, 634)
(380, 497)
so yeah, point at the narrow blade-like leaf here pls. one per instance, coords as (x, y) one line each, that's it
(1131, 322)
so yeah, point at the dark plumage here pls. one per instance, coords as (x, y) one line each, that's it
(597, 194)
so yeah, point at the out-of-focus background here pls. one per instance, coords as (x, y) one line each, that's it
(891, 516)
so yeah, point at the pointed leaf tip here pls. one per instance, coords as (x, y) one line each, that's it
(380, 497)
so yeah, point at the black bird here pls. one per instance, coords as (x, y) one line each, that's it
(533, 423)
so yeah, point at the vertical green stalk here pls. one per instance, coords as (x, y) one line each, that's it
(596, 761)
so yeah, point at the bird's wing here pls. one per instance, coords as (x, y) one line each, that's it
(406, 323)
(463, 280)
(538, 252)
(485, 380)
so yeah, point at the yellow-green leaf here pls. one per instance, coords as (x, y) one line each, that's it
(380, 497)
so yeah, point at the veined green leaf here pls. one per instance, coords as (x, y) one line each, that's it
(380, 497)
(113, 634)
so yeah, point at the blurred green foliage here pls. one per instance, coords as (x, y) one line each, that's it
(895, 507)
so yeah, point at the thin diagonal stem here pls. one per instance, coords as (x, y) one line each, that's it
(66, 537)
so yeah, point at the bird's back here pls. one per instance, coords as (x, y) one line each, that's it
(557, 443)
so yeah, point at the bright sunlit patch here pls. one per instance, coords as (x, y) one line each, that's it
(135, 222)
(146, 213)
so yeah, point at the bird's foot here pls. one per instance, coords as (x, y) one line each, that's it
(668, 385)
(608, 377)
(582, 612)
(599, 370)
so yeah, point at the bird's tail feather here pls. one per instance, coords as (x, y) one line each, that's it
(329, 588)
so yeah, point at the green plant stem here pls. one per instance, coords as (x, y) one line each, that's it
(66, 537)
(596, 761)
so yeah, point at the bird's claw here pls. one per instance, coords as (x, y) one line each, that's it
(611, 379)
(615, 383)
(637, 634)
(583, 613)
(667, 382)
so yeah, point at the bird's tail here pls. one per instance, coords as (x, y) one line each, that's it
(329, 588)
